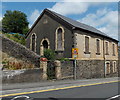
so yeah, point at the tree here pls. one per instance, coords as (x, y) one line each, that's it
(15, 21)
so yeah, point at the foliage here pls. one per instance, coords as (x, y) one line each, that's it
(16, 37)
(64, 59)
(49, 54)
(15, 21)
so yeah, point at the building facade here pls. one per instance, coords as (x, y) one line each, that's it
(59, 33)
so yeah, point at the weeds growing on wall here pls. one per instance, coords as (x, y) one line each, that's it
(16, 37)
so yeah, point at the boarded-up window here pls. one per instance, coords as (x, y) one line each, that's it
(113, 49)
(33, 43)
(59, 39)
(106, 45)
(86, 44)
(107, 67)
(98, 46)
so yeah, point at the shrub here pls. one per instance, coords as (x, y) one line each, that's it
(49, 54)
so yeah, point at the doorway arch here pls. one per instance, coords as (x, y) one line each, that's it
(45, 44)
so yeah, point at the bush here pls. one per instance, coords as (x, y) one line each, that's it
(49, 54)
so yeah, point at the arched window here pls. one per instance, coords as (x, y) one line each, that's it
(45, 44)
(98, 46)
(33, 42)
(107, 67)
(113, 49)
(114, 67)
(59, 39)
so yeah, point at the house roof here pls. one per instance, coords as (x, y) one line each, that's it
(76, 24)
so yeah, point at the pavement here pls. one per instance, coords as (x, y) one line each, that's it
(55, 82)
(65, 87)
(52, 84)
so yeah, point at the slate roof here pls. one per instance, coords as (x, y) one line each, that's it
(76, 24)
(79, 24)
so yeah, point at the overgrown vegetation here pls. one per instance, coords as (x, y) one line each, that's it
(16, 37)
(49, 54)
(15, 65)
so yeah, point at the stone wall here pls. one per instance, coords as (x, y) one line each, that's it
(67, 69)
(86, 69)
(20, 76)
(93, 69)
(90, 69)
(19, 51)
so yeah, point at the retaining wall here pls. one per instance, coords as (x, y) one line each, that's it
(19, 51)
(24, 75)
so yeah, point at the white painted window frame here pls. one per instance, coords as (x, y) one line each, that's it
(63, 31)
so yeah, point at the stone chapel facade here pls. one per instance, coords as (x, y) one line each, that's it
(59, 33)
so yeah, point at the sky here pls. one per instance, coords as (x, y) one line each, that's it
(101, 15)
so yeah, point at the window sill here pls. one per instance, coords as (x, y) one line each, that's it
(87, 52)
(97, 53)
(106, 54)
(113, 55)
(59, 51)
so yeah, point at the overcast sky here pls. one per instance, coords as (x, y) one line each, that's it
(101, 15)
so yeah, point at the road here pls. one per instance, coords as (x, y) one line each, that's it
(95, 91)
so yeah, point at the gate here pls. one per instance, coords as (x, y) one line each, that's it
(50, 70)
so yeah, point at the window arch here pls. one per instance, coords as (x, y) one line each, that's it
(33, 42)
(59, 39)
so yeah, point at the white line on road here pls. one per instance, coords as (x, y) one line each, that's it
(113, 97)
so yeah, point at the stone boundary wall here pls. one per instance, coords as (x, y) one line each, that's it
(19, 51)
(90, 69)
(86, 69)
(67, 70)
(21, 76)
(93, 69)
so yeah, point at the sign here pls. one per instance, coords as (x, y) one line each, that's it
(74, 52)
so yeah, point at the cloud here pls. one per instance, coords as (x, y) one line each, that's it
(105, 20)
(33, 17)
(69, 8)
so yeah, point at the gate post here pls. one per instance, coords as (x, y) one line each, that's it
(43, 66)
(44, 70)
(57, 65)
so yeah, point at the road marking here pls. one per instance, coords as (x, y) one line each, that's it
(57, 89)
(18, 97)
(113, 97)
